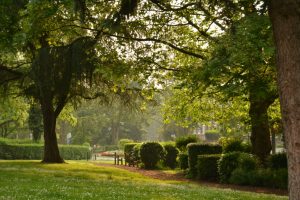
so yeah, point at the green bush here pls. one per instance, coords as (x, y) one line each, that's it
(277, 161)
(260, 177)
(122, 143)
(234, 144)
(227, 163)
(195, 149)
(248, 161)
(171, 153)
(182, 142)
(207, 167)
(234, 160)
(128, 152)
(151, 153)
(21, 151)
(36, 151)
(183, 160)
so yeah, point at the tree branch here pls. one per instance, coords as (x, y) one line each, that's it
(159, 41)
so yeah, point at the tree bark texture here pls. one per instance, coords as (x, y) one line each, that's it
(285, 17)
(260, 132)
(51, 151)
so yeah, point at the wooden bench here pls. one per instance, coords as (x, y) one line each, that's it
(130, 160)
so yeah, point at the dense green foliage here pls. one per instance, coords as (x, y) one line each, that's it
(183, 141)
(195, 149)
(234, 144)
(79, 180)
(277, 161)
(207, 167)
(171, 153)
(151, 153)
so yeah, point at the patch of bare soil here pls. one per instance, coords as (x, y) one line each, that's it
(157, 174)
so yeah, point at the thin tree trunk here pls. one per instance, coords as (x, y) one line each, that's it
(51, 151)
(260, 133)
(285, 17)
(273, 142)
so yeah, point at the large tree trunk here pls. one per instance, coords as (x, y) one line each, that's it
(51, 151)
(285, 17)
(260, 132)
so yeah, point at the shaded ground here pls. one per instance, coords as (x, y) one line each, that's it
(157, 174)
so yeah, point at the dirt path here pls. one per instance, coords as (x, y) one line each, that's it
(156, 174)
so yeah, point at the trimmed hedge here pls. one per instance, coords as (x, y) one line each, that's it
(277, 161)
(36, 151)
(151, 153)
(171, 153)
(21, 151)
(183, 160)
(182, 142)
(74, 152)
(207, 167)
(195, 149)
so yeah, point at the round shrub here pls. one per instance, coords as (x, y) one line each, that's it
(182, 142)
(151, 153)
(183, 159)
(277, 161)
(171, 153)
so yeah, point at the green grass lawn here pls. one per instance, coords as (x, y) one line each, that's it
(83, 180)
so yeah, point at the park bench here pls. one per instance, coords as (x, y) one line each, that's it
(118, 159)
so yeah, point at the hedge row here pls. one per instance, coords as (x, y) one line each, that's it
(36, 151)
(150, 153)
(195, 149)
(243, 169)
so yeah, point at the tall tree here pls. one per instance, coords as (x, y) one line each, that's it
(285, 17)
(193, 28)
(242, 63)
(56, 58)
